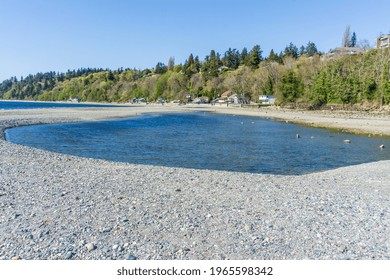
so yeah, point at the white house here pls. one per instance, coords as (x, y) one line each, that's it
(267, 99)
(383, 42)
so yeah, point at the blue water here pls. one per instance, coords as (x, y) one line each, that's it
(206, 141)
(11, 105)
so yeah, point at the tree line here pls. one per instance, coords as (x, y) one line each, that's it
(294, 75)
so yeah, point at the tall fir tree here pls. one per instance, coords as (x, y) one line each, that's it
(272, 56)
(244, 55)
(311, 49)
(254, 57)
(353, 40)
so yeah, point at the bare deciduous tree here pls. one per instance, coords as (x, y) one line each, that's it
(364, 44)
(346, 37)
(171, 63)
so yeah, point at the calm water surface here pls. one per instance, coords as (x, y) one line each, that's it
(206, 141)
(12, 105)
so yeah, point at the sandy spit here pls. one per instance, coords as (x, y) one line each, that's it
(55, 206)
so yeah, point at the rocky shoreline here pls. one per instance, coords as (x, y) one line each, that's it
(56, 206)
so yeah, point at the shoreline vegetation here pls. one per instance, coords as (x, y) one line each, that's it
(57, 207)
(306, 78)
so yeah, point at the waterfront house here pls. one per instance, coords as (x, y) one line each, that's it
(383, 42)
(201, 100)
(74, 100)
(237, 99)
(225, 95)
(267, 99)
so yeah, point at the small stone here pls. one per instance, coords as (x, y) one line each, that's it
(106, 229)
(178, 190)
(69, 255)
(347, 141)
(115, 247)
(266, 240)
(90, 247)
(131, 257)
(382, 146)
(298, 136)
(343, 249)
(15, 258)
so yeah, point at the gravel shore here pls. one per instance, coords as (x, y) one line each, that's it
(55, 206)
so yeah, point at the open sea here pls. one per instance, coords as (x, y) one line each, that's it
(206, 141)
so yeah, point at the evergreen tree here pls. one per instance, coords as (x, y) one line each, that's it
(273, 57)
(353, 40)
(254, 57)
(244, 55)
(311, 49)
(302, 50)
(291, 50)
(281, 57)
(160, 68)
(320, 88)
(291, 86)
(269, 87)
(197, 64)
(211, 64)
(231, 59)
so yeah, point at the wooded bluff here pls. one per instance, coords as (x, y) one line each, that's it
(310, 78)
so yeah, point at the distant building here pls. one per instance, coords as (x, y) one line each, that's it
(267, 99)
(237, 99)
(337, 52)
(201, 100)
(225, 95)
(383, 42)
(74, 100)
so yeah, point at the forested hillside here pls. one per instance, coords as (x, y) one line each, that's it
(295, 76)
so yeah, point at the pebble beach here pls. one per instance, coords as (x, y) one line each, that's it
(56, 206)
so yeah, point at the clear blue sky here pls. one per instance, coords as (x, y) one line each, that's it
(46, 35)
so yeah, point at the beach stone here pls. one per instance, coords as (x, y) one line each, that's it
(69, 255)
(347, 141)
(131, 257)
(106, 229)
(15, 258)
(90, 246)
